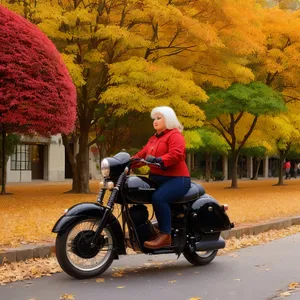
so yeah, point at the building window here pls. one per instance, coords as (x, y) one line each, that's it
(21, 158)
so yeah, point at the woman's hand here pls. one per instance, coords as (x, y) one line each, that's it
(157, 160)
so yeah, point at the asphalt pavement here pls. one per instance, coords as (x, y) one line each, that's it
(261, 272)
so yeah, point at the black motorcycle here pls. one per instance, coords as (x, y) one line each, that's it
(90, 237)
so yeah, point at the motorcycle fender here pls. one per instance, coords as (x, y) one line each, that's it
(85, 210)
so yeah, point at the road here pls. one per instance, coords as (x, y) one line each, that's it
(254, 273)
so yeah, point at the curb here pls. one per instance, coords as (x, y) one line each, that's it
(8, 255)
(254, 229)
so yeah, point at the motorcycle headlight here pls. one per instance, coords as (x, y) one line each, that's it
(105, 168)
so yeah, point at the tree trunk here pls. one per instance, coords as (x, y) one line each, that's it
(207, 167)
(235, 157)
(280, 179)
(3, 191)
(72, 160)
(80, 164)
(257, 165)
(82, 160)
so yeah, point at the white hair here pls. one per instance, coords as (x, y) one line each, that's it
(169, 116)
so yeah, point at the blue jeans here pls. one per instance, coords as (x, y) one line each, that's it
(170, 189)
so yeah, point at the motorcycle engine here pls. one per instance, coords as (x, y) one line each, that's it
(139, 215)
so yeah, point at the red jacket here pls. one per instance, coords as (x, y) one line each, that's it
(171, 148)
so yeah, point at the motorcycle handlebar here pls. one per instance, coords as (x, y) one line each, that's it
(149, 163)
(142, 160)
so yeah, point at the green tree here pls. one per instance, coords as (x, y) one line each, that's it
(234, 112)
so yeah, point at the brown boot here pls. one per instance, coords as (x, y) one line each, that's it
(156, 233)
(162, 240)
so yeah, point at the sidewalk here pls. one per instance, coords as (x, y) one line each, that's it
(45, 250)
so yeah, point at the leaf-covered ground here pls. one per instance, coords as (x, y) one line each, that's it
(29, 214)
(36, 268)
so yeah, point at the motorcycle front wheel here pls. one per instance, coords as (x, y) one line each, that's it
(75, 255)
(199, 258)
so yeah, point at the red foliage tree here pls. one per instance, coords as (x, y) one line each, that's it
(36, 91)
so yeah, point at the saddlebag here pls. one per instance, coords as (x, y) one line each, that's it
(207, 216)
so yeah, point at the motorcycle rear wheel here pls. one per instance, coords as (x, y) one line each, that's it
(199, 258)
(77, 258)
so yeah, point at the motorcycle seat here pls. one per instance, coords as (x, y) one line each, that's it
(195, 191)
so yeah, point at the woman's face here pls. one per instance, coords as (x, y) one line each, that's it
(159, 123)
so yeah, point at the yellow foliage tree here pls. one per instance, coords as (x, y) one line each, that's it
(117, 52)
(235, 35)
(278, 65)
(279, 134)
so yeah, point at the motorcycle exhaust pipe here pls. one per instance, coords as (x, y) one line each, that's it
(210, 245)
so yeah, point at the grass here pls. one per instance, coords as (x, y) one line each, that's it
(29, 214)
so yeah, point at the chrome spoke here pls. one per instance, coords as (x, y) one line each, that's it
(96, 261)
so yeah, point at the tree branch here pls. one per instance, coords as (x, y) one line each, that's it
(287, 44)
(175, 36)
(248, 133)
(153, 39)
(124, 13)
(223, 126)
(291, 98)
(211, 74)
(170, 54)
(239, 117)
(231, 131)
(222, 133)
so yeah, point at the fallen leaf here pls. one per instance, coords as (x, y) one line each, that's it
(196, 298)
(172, 281)
(117, 274)
(294, 285)
(236, 279)
(31, 268)
(121, 287)
(40, 215)
(179, 274)
(233, 255)
(67, 297)
(100, 280)
(285, 294)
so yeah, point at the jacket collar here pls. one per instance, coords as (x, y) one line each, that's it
(158, 135)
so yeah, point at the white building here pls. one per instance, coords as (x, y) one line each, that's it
(42, 159)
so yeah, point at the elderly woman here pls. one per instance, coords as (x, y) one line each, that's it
(167, 147)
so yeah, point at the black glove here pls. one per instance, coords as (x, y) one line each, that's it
(150, 159)
(158, 160)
